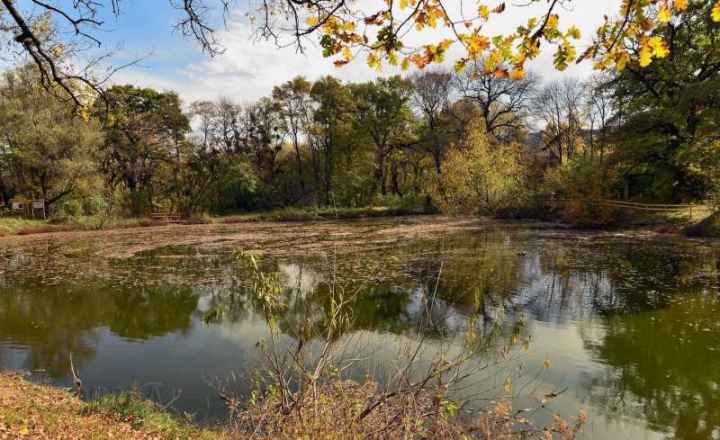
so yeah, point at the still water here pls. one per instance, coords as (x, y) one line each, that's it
(625, 327)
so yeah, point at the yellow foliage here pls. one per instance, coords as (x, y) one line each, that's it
(479, 177)
(579, 183)
(664, 15)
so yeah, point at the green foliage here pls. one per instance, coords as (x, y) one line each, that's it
(382, 114)
(666, 146)
(144, 131)
(132, 408)
(46, 150)
(462, 142)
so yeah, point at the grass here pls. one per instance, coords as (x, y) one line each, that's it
(337, 410)
(315, 214)
(33, 411)
(680, 218)
(142, 415)
(12, 226)
(19, 226)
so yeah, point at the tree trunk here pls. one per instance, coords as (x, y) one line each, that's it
(380, 170)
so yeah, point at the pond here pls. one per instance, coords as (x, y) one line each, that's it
(622, 326)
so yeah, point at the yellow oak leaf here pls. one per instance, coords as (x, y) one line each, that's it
(484, 12)
(552, 22)
(574, 32)
(716, 12)
(664, 15)
(659, 48)
(645, 56)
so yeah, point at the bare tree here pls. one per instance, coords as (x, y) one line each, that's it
(431, 95)
(504, 103)
(601, 111)
(54, 38)
(559, 107)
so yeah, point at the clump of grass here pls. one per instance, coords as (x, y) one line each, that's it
(29, 410)
(12, 225)
(131, 408)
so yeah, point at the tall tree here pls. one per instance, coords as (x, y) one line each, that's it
(382, 112)
(431, 97)
(559, 106)
(46, 149)
(601, 111)
(670, 128)
(295, 104)
(332, 124)
(143, 130)
(263, 136)
(504, 103)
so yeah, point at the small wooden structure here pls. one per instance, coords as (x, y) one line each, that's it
(22, 207)
(19, 207)
(38, 206)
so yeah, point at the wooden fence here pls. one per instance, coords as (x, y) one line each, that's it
(647, 207)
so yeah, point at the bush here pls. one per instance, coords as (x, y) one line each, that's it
(707, 228)
(481, 178)
(579, 184)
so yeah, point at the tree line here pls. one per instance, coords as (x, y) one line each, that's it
(468, 141)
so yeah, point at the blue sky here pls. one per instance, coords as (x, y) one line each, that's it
(248, 70)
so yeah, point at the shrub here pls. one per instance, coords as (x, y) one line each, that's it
(481, 178)
(579, 184)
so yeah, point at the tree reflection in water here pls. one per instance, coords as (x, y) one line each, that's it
(644, 313)
(54, 321)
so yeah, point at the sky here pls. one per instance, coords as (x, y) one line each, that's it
(248, 69)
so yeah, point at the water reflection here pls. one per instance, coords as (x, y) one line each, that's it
(52, 321)
(665, 367)
(631, 327)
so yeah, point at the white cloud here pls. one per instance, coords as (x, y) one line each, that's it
(249, 69)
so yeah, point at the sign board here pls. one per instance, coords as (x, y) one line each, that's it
(38, 204)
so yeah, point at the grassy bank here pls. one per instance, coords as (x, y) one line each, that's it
(43, 412)
(337, 410)
(18, 226)
(314, 214)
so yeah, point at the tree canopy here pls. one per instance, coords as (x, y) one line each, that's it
(348, 29)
